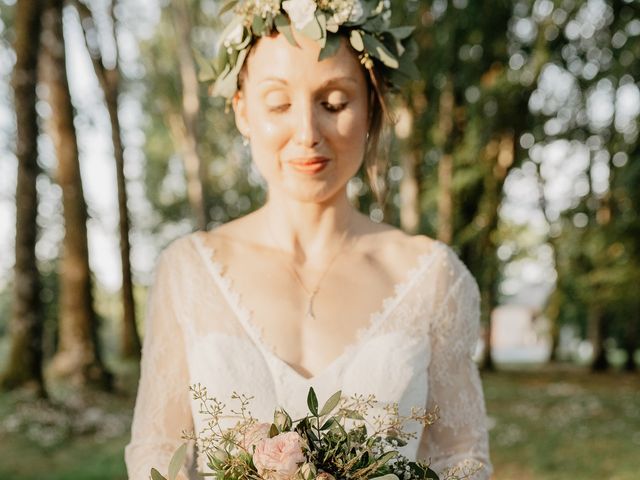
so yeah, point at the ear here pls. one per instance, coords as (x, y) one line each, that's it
(240, 111)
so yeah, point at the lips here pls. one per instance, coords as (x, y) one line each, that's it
(309, 165)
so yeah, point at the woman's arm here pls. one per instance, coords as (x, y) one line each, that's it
(459, 437)
(162, 408)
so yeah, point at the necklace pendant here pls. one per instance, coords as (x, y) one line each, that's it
(310, 315)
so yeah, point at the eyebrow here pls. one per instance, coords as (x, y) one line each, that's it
(328, 83)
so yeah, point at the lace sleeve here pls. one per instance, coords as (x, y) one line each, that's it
(459, 437)
(162, 408)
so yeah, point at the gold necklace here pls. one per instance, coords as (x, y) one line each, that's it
(310, 315)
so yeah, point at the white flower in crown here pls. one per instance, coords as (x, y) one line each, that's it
(235, 36)
(346, 11)
(382, 6)
(268, 7)
(301, 12)
(357, 12)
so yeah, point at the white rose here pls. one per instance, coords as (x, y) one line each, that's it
(301, 12)
(235, 36)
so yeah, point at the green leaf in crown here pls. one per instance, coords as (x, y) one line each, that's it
(365, 23)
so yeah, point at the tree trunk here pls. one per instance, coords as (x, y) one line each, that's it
(187, 132)
(409, 193)
(597, 332)
(24, 366)
(131, 347)
(109, 79)
(631, 341)
(553, 314)
(78, 356)
(445, 165)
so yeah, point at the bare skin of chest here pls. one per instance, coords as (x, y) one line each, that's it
(349, 293)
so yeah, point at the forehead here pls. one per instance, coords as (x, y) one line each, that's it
(298, 65)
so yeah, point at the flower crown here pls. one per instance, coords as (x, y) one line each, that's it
(366, 23)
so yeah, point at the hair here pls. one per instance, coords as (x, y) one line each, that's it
(376, 160)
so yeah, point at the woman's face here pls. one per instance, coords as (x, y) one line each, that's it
(306, 120)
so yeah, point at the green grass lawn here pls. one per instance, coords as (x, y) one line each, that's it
(564, 425)
(549, 425)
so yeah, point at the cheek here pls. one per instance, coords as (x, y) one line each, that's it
(268, 132)
(351, 130)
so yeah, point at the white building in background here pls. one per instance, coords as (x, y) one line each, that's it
(519, 334)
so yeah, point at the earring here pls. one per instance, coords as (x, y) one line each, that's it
(245, 141)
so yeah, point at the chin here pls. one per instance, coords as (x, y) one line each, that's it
(315, 194)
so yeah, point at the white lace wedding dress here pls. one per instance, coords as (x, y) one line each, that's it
(415, 351)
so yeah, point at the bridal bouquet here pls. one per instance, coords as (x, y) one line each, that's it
(332, 442)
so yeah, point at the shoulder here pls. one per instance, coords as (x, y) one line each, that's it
(179, 252)
(392, 242)
(409, 249)
(445, 273)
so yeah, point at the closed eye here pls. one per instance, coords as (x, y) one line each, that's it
(334, 107)
(279, 108)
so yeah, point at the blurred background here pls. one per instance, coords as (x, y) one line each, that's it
(519, 147)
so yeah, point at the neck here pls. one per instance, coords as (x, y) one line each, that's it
(309, 231)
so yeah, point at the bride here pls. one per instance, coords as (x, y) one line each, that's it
(306, 290)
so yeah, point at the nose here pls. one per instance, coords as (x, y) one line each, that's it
(307, 132)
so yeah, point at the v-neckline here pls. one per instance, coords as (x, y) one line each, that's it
(245, 316)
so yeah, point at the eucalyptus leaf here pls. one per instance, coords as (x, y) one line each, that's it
(423, 471)
(330, 48)
(332, 25)
(368, 6)
(206, 71)
(246, 40)
(411, 47)
(258, 26)
(273, 430)
(322, 21)
(283, 25)
(335, 398)
(382, 460)
(375, 25)
(402, 32)
(378, 50)
(328, 424)
(388, 476)
(228, 6)
(312, 436)
(177, 460)
(312, 30)
(225, 86)
(409, 69)
(312, 401)
(431, 475)
(155, 475)
(356, 40)
(221, 60)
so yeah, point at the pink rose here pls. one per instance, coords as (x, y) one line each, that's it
(255, 433)
(278, 458)
(325, 476)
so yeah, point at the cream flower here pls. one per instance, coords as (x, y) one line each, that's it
(235, 36)
(357, 12)
(301, 12)
(347, 11)
(278, 458)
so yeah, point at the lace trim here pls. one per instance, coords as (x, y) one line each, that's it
(390, 303)
(376, 319)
